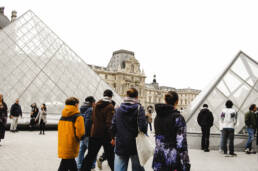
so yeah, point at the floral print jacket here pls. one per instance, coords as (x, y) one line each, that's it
(169, 157)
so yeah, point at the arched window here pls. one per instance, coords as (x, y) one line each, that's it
(132, 68)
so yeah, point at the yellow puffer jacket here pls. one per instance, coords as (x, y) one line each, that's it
(70, 133)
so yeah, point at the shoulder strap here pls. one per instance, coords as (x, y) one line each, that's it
(72, 119)
(138, 113)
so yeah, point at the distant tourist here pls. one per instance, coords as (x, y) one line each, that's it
(149, 116)
(70, 132)
(42, 118)
(250, 122)
(34, 113)
(125, 130)
(3, 117)
(86, 111)
(228, 120)
(205, 120)
(101, 132)
(171, 152)
(15, 112)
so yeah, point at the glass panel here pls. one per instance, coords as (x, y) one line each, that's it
(39, 67)
(239, 84)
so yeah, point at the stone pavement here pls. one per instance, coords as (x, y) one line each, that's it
(29, 151)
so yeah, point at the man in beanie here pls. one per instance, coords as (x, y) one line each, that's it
(205, 120)
(70, 132)
(86, 112)
(101, 131)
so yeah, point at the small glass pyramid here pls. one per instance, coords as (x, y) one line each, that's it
(239, 83)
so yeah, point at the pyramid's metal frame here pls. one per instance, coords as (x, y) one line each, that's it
(238, 82)
(37, 66)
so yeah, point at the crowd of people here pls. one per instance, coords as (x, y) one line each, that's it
(101, 124)
(228, 120)
(36, 117)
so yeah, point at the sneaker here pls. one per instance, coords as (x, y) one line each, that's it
(247, 150)
(226, 155)
(99, 163)
(233, 154)
(206, 150)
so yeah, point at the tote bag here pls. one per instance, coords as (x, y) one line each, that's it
(144, 147)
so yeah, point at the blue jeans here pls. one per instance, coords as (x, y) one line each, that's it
(221, 140)
(83, 147)
(121, 163)
(250, 138)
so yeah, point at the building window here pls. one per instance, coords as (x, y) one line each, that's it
(132, 68)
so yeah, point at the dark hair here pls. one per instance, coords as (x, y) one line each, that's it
(251, 108)
(33, 104)
(229, 104)
(44, 107)
(205, 105)
(108, 93)
(90, 99)
(171, 97)
(132, 92)
(72, 101)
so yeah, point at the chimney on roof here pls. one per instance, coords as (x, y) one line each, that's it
(2, 10)
(14, 16)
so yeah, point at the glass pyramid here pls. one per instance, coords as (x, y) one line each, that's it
(37, 66)
(238, 82)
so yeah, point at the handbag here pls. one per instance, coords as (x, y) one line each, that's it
(144, 146)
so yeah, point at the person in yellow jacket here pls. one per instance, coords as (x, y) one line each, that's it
(70, 131)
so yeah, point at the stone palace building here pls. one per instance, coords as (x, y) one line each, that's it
(123, 72)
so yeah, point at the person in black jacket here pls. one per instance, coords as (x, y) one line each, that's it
(256, 126)
(15, 112)
(33, 116)
(205, 120)
(3, 117)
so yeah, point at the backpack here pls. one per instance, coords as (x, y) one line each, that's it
(88, 121)
(166, 126)
(71, 119)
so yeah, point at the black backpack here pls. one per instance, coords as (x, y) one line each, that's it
(88, 122)
(72, 119)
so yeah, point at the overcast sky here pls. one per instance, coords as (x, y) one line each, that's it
(185, 43)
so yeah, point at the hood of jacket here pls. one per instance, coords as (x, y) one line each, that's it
(84, 107)
(205, 109)
(129, 108)
(164, 109)
(69, 110)
(103, 102)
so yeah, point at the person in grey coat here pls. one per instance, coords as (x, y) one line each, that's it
(42, 119)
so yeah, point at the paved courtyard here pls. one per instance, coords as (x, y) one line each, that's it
(29, 151)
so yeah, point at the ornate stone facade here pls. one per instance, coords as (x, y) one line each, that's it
(123, 72)
(4, 20)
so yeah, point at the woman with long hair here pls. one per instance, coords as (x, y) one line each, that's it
(42, 118)
(171, 153)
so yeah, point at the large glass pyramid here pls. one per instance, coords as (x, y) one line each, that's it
(238, 82)
(37, 66)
